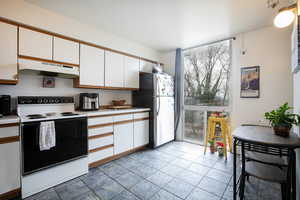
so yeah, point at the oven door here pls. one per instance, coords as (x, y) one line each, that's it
(71, 143)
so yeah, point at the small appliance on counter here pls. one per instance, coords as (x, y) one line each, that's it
(89, 101)
(5, 101)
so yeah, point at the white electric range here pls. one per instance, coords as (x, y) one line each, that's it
(42, 169)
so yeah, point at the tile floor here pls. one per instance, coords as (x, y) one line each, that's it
(175, 171)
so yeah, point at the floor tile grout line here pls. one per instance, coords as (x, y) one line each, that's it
(57, 193)
(124, 187)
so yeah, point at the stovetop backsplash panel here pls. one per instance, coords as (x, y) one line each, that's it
(32, 85)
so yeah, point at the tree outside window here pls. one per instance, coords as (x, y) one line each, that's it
(206, 75)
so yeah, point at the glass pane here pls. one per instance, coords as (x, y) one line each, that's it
(194, 130)
(206, 75)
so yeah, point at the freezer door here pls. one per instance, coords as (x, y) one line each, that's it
(164, 120)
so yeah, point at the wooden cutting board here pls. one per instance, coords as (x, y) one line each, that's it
(120, 107)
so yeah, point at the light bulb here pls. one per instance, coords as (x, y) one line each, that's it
(284, 18)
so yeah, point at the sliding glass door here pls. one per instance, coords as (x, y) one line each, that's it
(206, 87)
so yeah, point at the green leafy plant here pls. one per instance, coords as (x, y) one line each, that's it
(281, 117)
(211, 142)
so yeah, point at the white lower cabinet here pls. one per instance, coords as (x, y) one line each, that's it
(9, 160)
(123, 137)
(9, 167)
(141, 133)
(113, 135)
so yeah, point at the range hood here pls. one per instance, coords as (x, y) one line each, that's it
(49, 69)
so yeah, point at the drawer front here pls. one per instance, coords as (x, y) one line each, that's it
(140, 115)
(100, 130)
(99, 120)
(100, 142)
(123, 117)
(99, 155)
(9, 131)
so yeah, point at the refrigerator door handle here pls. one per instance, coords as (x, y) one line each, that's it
(158, 107)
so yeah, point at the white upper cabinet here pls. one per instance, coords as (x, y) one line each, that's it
(131, 72)
(114, 69)
(65, 51)
(91, 66)
(35, 44)
(8, 55)
(146, 66)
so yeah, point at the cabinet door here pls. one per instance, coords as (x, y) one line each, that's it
(114, 69)
(131, 71)
(65, 51)
(141, 133)
(35, 44)
(146, 66)
(8, 55)
(123, 137)
(91, 66)
(9, 167)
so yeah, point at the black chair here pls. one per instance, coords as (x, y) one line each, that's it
(265, 163)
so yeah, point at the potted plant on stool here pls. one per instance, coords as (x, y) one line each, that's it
(281, 120)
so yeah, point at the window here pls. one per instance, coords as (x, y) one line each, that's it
(206, 75)
(206, 87)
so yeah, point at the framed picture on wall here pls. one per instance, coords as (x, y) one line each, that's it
(48, 82)
(250, 82)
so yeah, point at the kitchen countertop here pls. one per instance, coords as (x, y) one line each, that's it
(112, 111)
(9, 119)
(15, 119)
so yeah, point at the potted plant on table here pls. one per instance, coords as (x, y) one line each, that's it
(282, 120)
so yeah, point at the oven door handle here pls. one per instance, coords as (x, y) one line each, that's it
(37, 138)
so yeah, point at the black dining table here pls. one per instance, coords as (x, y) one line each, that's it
(263, 140)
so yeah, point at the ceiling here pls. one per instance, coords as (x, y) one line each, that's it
(166, 24)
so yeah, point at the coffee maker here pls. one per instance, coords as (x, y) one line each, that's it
(89, 101)
(5, 101)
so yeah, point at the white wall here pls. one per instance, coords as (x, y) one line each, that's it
(168, 58)
(268, 48)
(31, 85)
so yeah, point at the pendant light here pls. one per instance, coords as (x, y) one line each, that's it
(285, 16)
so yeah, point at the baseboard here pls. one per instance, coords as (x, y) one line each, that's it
(11, 194)
(114, 157)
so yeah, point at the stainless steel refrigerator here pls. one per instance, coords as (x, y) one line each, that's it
(157, 92)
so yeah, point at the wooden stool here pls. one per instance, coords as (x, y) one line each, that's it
(225, 132)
